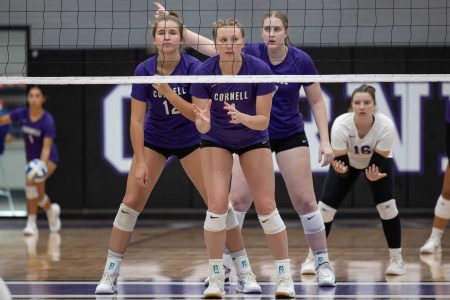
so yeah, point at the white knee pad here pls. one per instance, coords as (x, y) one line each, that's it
(387, 210)
(126, 218)
(232, 220)
(31, 192)
(43, 201)
(442, 208)
(215, 222)
(312, 222)
(327, 212)
(272, 223)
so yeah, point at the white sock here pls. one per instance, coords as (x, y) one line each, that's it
(283, 267)
(240, 216)
(242, 264)
(436, 234)
(320, 257)
(113, 262)
(395, 252)
(216, 268)
(32, 219)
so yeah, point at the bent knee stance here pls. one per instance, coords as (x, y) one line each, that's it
(442, 208)
(232, 220)
(327, 212)
(387, 210)
(126, 218)
(43, 202)
(215, 222)
(272, 223)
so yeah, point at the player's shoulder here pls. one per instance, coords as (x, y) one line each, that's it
(146, 67)
(383, 121)
(208, 66)
(345, 119)
(255, 65)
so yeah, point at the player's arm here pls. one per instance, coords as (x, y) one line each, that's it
(202, 110)
(46, 147)
(5, 120)
(138, 110)
(315, 100)
(195, 40)
(184, 107)
(260, 121)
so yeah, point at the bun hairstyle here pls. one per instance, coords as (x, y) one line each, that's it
(168, 16)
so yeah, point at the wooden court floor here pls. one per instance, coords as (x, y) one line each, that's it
(173, 252)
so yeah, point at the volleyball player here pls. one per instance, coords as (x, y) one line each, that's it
(39, 132)
(362, 144)
(442, 208)
(234, 119)
(161, 126)
(287, 136)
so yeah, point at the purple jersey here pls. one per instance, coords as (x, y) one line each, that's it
(164, 125)
(447, 115)
(242, 95)
(35, 132)
(285, 118)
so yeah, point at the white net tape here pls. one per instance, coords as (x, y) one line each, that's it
(357, 78)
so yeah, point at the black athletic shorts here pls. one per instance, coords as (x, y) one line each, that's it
(239, 151)
(296, 140)
(168, 152)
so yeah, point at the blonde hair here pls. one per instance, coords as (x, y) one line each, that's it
(227, 23)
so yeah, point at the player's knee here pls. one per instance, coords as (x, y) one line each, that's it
(387, 210)
(232, 220)
(312, 222)
(306, 204)
(215, 222)
(327, 212)
(272, 223)
(44, 200)
(240, 201)
(31, 192)
(442, 208)
(126, 218)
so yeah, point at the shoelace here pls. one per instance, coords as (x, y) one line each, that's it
(325, 270)
(284, 281)
(396, 260)
(247, 277)
(215, 281)
(107, 279)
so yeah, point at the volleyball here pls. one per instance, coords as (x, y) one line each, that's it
(36, 170)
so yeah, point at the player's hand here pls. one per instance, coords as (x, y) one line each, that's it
(163, 88)
(203, 117)
(373, 173)
(339, 167)
(160, 10)
(141, 174)
(325, 154)
(236, 117)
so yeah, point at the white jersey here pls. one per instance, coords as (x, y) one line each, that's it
(344, 136)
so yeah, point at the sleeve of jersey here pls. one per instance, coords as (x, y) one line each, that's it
(16, 114)
(264, 88)
(138, 91)
(50, 129)
(387, 138)
(200, 90)
(338, 136)
(307, 67)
